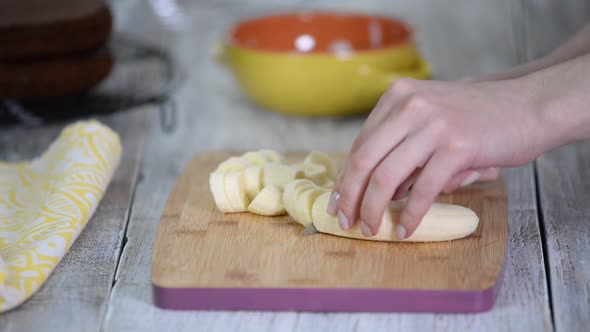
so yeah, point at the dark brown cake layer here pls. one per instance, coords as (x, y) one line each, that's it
(53, 77)
(38, 28)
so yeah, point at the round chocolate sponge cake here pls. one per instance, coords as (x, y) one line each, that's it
(39, 78)
(39, 28)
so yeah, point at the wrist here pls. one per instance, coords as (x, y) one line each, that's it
(556, 105)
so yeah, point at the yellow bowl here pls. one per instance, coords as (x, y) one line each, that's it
(320, 64)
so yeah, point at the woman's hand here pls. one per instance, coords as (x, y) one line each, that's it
(434, 136)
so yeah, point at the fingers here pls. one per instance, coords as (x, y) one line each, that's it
(436, 174)
(390, 100)
(348, 191)
(470, 176)
(403, 188)
(389, 174)
(363, 160)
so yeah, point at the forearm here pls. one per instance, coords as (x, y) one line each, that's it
(577, 46)
(561, 96)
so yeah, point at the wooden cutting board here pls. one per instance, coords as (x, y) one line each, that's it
(205, 260)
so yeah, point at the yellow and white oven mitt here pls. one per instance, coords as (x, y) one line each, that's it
(45, 204)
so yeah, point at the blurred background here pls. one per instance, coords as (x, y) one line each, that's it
(160, 46)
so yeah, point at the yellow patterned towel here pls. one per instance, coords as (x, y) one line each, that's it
(45, 204)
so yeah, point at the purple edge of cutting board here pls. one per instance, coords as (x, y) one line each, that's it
(327, 300)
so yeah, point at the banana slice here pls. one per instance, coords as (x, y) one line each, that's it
(320, 158)
(292, 191)
(233, 164)
(235, 190)
(268, 202)
(258, 158)
(442, 222)
(304, 204)
(272, 156)
(253, 181)
(217, 186)
(328, 185)
(314, 172)
(280, 175)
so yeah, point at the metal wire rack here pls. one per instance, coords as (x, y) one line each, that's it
(143, 74)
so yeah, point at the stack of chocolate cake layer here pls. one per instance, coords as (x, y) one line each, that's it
(53, 48)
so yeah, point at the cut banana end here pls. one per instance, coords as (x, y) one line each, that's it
(233, 164)
(320, 158)
(280, 175)
(316, 173)
(443, 222)
(253, 181)
(304, 204)
(235, 190)
(268, 202)
(217, 187)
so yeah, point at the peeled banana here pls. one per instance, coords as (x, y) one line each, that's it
(229, 191)
(235, 191)
(292, 191)
(233, 164)
(217, 186)
(258, 182)
(268, 202)
(253, 181)
(259, 158)
(316, 173)
(272, 156)
(320, 158)
(304, 204)
(280, 174)
(443, 222)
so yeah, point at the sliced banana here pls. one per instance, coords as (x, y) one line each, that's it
(292, 192)
(442, 222)
(253, 181)
(233, 164)
(217, 186)
(259, 158)
(316, 173)
(258, 182)
(329, 184)
(280, 175)
(304, 204)
(289, 194)
(320, 158)
(272, 156)
(268, 202)
(235, 190)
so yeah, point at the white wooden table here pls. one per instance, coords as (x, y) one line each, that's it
(103, 283)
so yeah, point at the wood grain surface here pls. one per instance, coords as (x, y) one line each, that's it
(75, 295)
(213, 115)
(199, 247)
(564, 184)
(563, 179)
(458, 37)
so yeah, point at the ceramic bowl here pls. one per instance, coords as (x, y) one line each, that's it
(320, 63)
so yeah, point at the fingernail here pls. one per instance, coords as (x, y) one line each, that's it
(471, 178)
(400, 231)
(366, 229)
(343, 221)
(333, 204)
